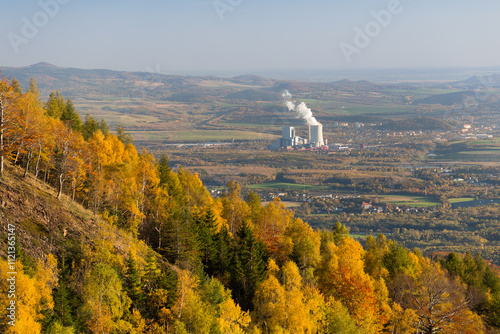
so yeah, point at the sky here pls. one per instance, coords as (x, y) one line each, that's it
(245, 36)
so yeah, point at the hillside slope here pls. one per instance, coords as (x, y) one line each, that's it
(45, 224)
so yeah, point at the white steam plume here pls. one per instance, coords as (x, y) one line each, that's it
(302, 110)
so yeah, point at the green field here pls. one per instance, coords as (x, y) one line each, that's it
(479, 150)
(288, 186)
(361, 109)
(200, 135)
(460, 200)
(407, 200)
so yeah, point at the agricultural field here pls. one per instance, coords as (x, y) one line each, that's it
(411, 201)
(472, 151)
(460, 200)
(286, 186)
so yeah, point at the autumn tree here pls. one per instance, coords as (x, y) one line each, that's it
(32, 123)
(440, 302)
(271, 225)
(105, 301)
(33, 295)
(7, 119)
(306, 246)
(269, 302)
(191, 313)
(341, 275)
(33, 88)
(67, 156)
(235, 209)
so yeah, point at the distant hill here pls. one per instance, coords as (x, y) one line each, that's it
(254, 95)
(250, 79)
(480, 81)
(416, 124)
(458, 98)
(98, 82)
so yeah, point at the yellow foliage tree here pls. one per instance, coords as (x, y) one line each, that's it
(271, 225)
(235, 209)
(231, 319)
(439, 301)
(286, 306)
(30, 296)
(341, 275)
(190, 312)
(269, 302)
(306, 246)
(105, 302)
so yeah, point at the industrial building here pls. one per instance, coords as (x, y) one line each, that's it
(290, 139)
(316, 135)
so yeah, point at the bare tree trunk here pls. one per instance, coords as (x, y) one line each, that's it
(28, 163)
(37, 168)
(60, 185)
(74, 189)
(17, 156)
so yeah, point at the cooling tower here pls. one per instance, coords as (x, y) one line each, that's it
(316, 135)
(287, 132)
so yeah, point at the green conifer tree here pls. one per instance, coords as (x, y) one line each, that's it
(90, 125)
(33, 88)
(16, 86)
(133, 282)
(123, 136)
(248, 266)
(70, 116)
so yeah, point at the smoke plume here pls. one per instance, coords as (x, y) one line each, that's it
(302, 110)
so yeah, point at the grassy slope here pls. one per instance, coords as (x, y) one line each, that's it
(45, 224)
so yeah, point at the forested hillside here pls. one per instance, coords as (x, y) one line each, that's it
(109, 239)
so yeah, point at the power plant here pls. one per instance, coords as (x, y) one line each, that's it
(316, 135)
(288, 135)
(290, 139)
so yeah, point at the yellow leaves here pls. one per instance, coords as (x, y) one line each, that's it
(402, 321)
(197, 196)
(284, 305)
(235, 210)
(269, 304)
(31, 297)
(158, 297)
(105, 301)
(217, 209)
(306, 243)
(138, 323)
(46, 280)
(271, 224)
(189, 307)
(439, 301)
(232, 320)
(342, 276)
(272, 268)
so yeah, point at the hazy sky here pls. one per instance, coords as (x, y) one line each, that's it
(245, 35)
